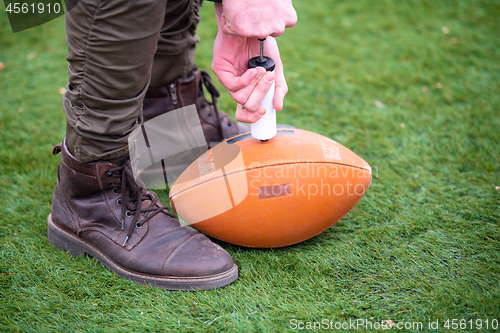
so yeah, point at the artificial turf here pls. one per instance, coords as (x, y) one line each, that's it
(412, 87)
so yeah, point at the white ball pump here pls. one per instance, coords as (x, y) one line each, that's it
(264, 128)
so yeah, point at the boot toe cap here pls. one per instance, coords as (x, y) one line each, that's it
(198, 257)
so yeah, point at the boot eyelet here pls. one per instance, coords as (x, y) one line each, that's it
(115, 190)
(128, 214)
(110, 184)
(138, 226)
(210, 115)
(119, 202)
(108, 173)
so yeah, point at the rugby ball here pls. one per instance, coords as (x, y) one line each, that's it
(270, 194)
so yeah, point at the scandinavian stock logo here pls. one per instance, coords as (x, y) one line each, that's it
(162, 148)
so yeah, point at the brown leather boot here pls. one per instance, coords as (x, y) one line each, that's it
(216, 125)
(98, 209)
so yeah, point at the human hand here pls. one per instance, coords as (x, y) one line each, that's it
(248, 87)
(255, 18)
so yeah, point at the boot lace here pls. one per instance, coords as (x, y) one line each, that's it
(132, 197)
(206, 80)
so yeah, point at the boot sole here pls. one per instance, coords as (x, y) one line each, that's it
(76, 246)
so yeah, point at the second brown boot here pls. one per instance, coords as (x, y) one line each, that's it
(216, 125)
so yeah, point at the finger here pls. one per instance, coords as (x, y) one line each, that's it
(241, 96)
(259, 92)
(281, 88)
(278, 31)
(279, 96)
(245, 116)
(292, 19)
(233, 82)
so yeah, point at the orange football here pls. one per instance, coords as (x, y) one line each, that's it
(270, 194)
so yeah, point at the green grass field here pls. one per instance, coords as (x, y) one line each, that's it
(413, 87)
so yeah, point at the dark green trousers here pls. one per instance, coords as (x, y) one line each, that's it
(117, 49)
